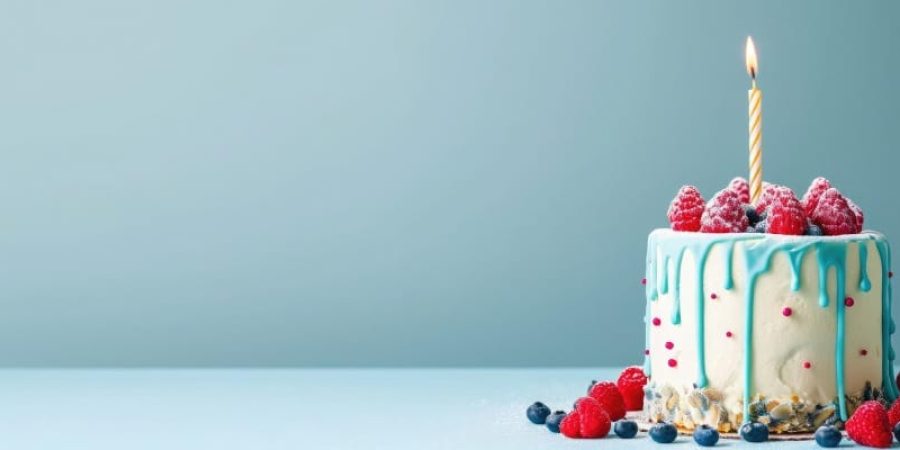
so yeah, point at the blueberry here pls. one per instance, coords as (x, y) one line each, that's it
(829, 436)
(664, 433)
(537, 413)
(752, 216)
(755, 432)
(706, 436)
(554, 419)
(761, 226)
(813, 230)
(750, 229)
(897, 431)
(625, 429)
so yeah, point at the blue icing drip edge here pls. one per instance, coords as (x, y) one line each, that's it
(759, 250)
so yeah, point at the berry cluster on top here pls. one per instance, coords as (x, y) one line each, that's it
(822, 210)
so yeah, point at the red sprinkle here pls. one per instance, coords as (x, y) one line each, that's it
(673, 363)
(728, 334)
(864, 352)
(657, 322)
(848, 302)
(670, 345)
(643, 281)
(713, 296)
(807, 364)
(786, 312)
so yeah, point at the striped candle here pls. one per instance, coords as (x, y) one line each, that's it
(755, 97)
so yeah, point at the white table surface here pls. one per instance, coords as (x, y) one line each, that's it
(297, 409)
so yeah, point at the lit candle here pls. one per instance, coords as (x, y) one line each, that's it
(755, 97)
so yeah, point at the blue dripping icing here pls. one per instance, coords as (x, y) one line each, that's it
(887, 323)
(729, 257)
(830, 252)
(864, 284)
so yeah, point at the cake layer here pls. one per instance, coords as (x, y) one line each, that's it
(800, 323)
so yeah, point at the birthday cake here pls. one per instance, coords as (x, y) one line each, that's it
(776, 312)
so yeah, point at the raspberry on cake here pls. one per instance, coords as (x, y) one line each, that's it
(686, 209)
(788, 328)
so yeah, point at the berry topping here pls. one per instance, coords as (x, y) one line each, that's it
(893, 414)
(754, 432)
(740, 187)
(625, 429)
(857, 211)
(760, 227)
(833, 214)
(706, 436)
(607, 395)
(765, 198)
(589, 420)
(813, 230)
(811, 197)
(537, 413)
(828, 436)
(686, 209)
(785, 214)
(631, 385)
(664, 433)
(869, 426)
(724, 214)
(554, 419)
(752, 215)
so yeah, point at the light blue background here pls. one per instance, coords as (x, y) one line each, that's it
(397, 183)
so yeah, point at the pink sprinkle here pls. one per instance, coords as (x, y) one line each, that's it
(644, 281)
(713, 296)
(673, 363)
(807, 364)
(728, 334)
(848, 302)
(646, 351)
(786, 312)
(863, 352)
(670, 345)
(657, 322)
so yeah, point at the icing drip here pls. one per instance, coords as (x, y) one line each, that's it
(758, 254)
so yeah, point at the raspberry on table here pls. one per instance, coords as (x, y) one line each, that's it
(607, 394)
(631, 385)
(869, 426)
(686, 209)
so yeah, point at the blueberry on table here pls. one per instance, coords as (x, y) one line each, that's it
(706, 436)
(664, 433)
(754, 432)
(828, 436)
(554, 419)
(537, 413)
(625, 429)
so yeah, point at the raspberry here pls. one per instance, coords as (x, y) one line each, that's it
(833, 214)
(608, 396)
(811, 197)
(762, 203)
(686, 209)
(595, 422)
(857, 211)
(741, 188)
(869, 426)
(631, 385)
(724, 214)
(785, 215)
(571, 425)
(894, 414)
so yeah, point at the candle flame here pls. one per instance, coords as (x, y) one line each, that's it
(752, 64)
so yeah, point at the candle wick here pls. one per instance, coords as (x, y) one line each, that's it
(754, 81)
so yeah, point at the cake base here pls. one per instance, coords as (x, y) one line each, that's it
(644, 425)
